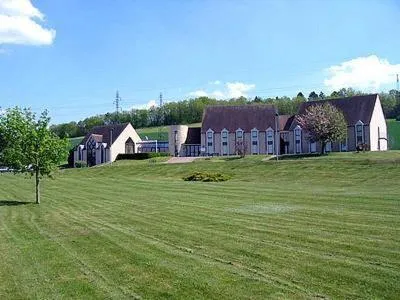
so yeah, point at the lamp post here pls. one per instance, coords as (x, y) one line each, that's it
(276, 134)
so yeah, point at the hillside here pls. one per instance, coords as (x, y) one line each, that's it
(324, 228)
(394, 134)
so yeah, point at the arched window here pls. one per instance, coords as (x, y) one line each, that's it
(359, 133)
(270, 141)
(225, 142)
(210, 142)
(129, 146)
(254, 141)
(297, 139)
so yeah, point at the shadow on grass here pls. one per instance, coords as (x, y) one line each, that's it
(232, 158)
(13, 203)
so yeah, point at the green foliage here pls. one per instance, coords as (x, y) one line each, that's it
(81, 164)
(323, 123)
(207, 177)
(28, 144)
(141, 156)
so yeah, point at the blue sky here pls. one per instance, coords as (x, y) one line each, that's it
(70, 56)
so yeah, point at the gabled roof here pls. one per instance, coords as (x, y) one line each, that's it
(102, 133)
(354, 108)
(245, 117)
(193, 135)
(285, 121)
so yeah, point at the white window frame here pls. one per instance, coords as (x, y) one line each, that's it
(208, 141)
(344, 145)
(255, 139)
(269, 138)
(297, 129)
(313, 143)
(359, 123)
(242, 137)
(224, 139)
(330, 147)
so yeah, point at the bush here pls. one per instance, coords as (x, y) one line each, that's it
(140, 156)
(207, 177)
(80, 164)
(398, 118)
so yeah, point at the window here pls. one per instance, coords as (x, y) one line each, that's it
(224, 142)
(313, 146)
(359, 133)
(297, 139)
(210, 142)
(270, 141)
(328, 147)
(343, 145)
(254, 141)
(239, 134)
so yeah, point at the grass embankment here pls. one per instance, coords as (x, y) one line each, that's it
(394, 134)
(326, 227)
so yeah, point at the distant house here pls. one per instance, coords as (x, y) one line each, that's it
(103, 144)
(259, 129)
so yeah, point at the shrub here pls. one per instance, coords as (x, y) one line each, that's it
(80, 164)
(141, 156)
(207, 177)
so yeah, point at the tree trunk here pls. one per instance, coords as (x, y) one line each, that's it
(323, 148)
(37, 179)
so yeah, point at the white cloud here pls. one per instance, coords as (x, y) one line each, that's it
(218, 94)
(20, 23)
(199, 93)
(365, 73)
(238, 89)
(230, 90)
(148, 105)
(216, 82)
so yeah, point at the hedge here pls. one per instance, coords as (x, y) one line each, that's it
(140, 156)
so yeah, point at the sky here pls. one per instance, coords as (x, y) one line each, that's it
(71, 56)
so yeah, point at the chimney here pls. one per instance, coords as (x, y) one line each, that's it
(111, 136)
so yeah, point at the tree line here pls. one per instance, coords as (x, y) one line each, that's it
(191, 111)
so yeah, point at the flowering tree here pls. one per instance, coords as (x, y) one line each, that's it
(324, 123)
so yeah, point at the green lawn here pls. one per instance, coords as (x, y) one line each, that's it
(304, 229)
(394, 134)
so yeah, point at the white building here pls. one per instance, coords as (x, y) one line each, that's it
(104, 143)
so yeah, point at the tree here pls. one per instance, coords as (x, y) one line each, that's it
(30, 146)
(300, 95)
(313, 96)
(321, 95)
(324, 123)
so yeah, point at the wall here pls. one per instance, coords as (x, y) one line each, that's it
(119, 144)
(378, 122)
(181, 135)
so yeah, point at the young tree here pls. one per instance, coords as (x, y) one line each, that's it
(324, 123)
(313, 96)
(29, 146)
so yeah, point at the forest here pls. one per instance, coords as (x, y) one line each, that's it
(191, 110)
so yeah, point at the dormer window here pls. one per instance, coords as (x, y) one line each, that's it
(225, 142)
(239, 134)
(270, 141)
(359, 133)
(254, 141)
(297, 139)
(210, 142)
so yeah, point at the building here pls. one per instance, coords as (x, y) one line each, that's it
(104, 143)
(259, 129)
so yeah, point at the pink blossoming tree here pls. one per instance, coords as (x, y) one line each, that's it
(324, 123)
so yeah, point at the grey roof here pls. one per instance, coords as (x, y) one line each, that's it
(102, 133)
(245, 117)
(193, 135)
(356, 108)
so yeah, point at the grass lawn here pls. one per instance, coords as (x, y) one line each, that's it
(325, 227)
(394, 134)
